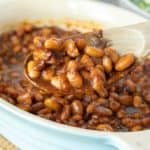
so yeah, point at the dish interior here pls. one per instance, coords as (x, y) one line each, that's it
(97, 92)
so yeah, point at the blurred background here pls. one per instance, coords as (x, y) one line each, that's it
(141, 7)
(111, 1)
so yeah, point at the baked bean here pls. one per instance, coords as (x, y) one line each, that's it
(93, 122)
(107, 63)
(100, 67)
(115, 77)
(24, 107)
(60, 82)
(103, 111)
(27, 26)
(15, 40)
(131, 122)
(145, 109)
(75, 79)
(71, 49)
(73, 75)
(114, 105)
(135, 115)
(76, 117)
(24, 99)
(31, 47)
(33, 73)
(80, 43)
(147, 97)
(44, 111)
(48, 74)
(38, 96)
(124, 62)
(137, 101)
(126, 99)
(94, 116)
(104, 127)
(39, 65)
(52, 104)
(46, 32)
(66, 112)
(121, 113)
(114, 95)
(112, 54)
(17, 48)
(102, 101)
(97, 83)
(136, 128)
(85, 75)
(86, 62)
(77, 107)
(8, 99)
(90, 108)
(96, 72)
(37, 106)
(11, 91)
(12, 61)
(98, 86)
(41, 54)
(139, 69)
(94, 52)
(131, 85)
(104, 120)
(38, 41)
(146, 121)
(53, 44)
(14, 74)
(72, 66)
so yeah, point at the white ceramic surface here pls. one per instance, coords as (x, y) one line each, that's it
(33, 133)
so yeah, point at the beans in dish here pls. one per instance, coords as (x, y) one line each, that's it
(95, 88)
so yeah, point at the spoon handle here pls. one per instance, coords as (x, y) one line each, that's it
(134, 38)
(144, 28)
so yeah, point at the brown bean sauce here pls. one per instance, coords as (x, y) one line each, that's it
(122, 103)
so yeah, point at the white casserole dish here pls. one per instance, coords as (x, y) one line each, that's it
(30, 132)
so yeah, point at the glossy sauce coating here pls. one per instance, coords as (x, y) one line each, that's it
(105, 98)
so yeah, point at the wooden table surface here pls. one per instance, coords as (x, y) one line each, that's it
(6, 145)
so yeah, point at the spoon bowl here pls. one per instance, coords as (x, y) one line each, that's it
(40, 84)
(92, 38)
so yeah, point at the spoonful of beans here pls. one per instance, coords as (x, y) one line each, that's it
(75, 63)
